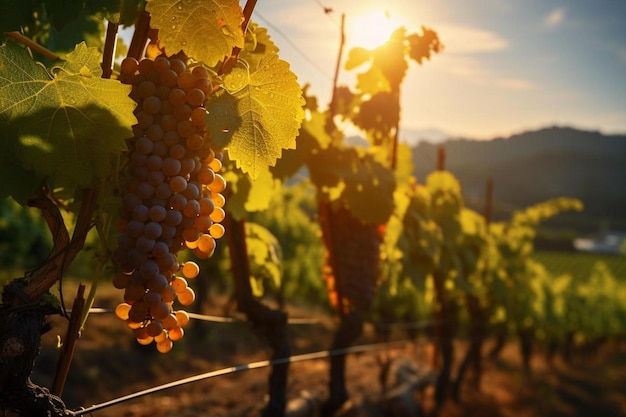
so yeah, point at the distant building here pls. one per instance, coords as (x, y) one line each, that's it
(613, 243)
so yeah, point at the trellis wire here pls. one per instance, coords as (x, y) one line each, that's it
(213, 319)
(239, 368)
(415, 325)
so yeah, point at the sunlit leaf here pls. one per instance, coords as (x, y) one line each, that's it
(357, 57)
(69, 122)
(257, 121)
(207, 30)
(257, 44)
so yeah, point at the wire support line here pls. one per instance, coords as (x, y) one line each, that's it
(293, 45)
(212, 319)
(241, 368)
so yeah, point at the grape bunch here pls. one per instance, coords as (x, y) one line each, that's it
(353, 252)
(172, 197)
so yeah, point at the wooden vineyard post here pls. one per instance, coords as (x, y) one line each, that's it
(269, 324)
(477, 315)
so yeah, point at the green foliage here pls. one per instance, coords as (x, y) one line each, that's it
(291, 220)
(24, 242)
(265, 255)
(70, 124)
(257, 114)
(207, 30)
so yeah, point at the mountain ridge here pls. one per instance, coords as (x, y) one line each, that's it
(533, 166)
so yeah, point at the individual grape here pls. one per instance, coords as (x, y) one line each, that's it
(179, 284)
(187, 296)
(178, 184)
(185, 128)
(156, 178)
(190, 270)
(121, 311)
(143, 145)
(138, 312)
(195, 97)
(164, 346)
(145, 341)
(186, 81)
(218, 214)
(202, 223)
(169, 322)
(146, 89)
(121, 281)
(205, 85)
(171, 167)
(216, 165)
(145, 244)
(195, 142)
(157, 213)
(206, 175)
(206, 243)
(145, 66)
(216, 230)
(206, 207)
(129, 65)
(169, 77)
(182, 318)
(155, 132)
(152, 104)
(197, 116)
(218, 199)
(218, 185)
(177, 97)
(175, 334)
(161, 64)
(177, 151)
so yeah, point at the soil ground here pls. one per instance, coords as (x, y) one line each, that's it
(108, 364)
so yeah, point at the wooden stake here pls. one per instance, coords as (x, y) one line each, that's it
(69, 346)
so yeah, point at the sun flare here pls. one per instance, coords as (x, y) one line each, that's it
(370, 29)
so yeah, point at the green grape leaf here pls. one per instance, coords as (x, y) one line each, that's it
(369, 190)
(404, 164)
(372, 81)
(261, 191)
(357, 57)
(239, 186)
(69, 122)
(257, 121)
(257, 44)
(207, 30)
(364, 185)
(312, 138)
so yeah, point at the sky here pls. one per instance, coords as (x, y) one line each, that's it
(507, 65)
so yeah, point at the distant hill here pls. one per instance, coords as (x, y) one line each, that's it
(534, 166)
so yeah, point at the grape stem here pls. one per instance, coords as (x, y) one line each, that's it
(230, 61)
(109, 49)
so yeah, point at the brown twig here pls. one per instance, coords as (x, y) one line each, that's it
(32, 45)
(332, 107)
(109, 49)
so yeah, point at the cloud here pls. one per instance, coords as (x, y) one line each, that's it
(468, 40)
(555, 18)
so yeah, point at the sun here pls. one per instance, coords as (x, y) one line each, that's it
(370, 29)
